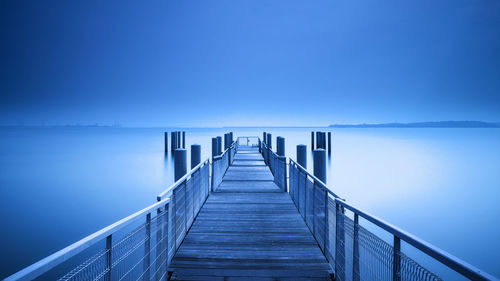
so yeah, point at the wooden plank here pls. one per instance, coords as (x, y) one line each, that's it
(237, 163)
(249, 230)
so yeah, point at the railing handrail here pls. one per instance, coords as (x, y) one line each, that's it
(40, 267)
(218, 157)
(160, 196)
(316, 180)
(442, 256)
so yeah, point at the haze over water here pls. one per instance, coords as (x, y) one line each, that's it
(61, 184)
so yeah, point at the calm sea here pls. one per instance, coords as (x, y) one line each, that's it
(58, 185)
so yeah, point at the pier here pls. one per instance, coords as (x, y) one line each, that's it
(249, 228)
(249, 213)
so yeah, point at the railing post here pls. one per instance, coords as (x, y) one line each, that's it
(327, 226)
(339, 243)
(212, 176)
(165, 237)
(109, 256)
(269, 141)
(147, 249)
(355, 254)
(159, 237)
(396, 259)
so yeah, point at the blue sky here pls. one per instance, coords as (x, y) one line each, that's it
(213, 63)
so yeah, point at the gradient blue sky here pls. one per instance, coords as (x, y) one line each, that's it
(212, 63)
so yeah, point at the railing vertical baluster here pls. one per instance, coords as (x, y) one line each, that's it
(285, 187)
(109, 247)
(396, 259)
(314, 208)
(326, 226)
(147, 249)
(165, 238)
(355, 255)
(158, 242)
(339, 243)
(305, 196)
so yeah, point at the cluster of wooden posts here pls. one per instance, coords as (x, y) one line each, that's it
(321, 141)
(319, 153)
(177, 140)
(217, 143)
(177, 146)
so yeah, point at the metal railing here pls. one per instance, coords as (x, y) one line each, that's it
(187, 196)
(248, 141)
(112, 252)
(139, 246)
(220, 164)
(277, 165)
(355, 252)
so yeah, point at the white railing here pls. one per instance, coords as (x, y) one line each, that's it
(139, 246)
(355, 252)
(277, 165)
(221, 163)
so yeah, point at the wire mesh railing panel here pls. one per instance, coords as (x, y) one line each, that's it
(301, 183)
(139, 254)
(232, 151)
(204, 185)
(138, 247)
(291, 183)
(95, 268)
(309, 204)
(332, 222)
(197, 191)
(376, 257)
(179, 203)
(189, 201)
(319, 215)
(219, 166)
(412, 271)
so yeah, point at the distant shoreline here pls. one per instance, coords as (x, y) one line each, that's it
(433, 124)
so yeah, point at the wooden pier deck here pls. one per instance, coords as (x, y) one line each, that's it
(249, 230)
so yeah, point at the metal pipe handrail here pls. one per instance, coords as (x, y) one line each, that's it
(160, 196)
(442, 256)
(247, 137)
(316, 180)
(218, 157)
(40, 267)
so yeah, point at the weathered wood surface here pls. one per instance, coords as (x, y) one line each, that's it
(249, 230)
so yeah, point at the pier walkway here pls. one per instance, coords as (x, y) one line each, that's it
(249, 229)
